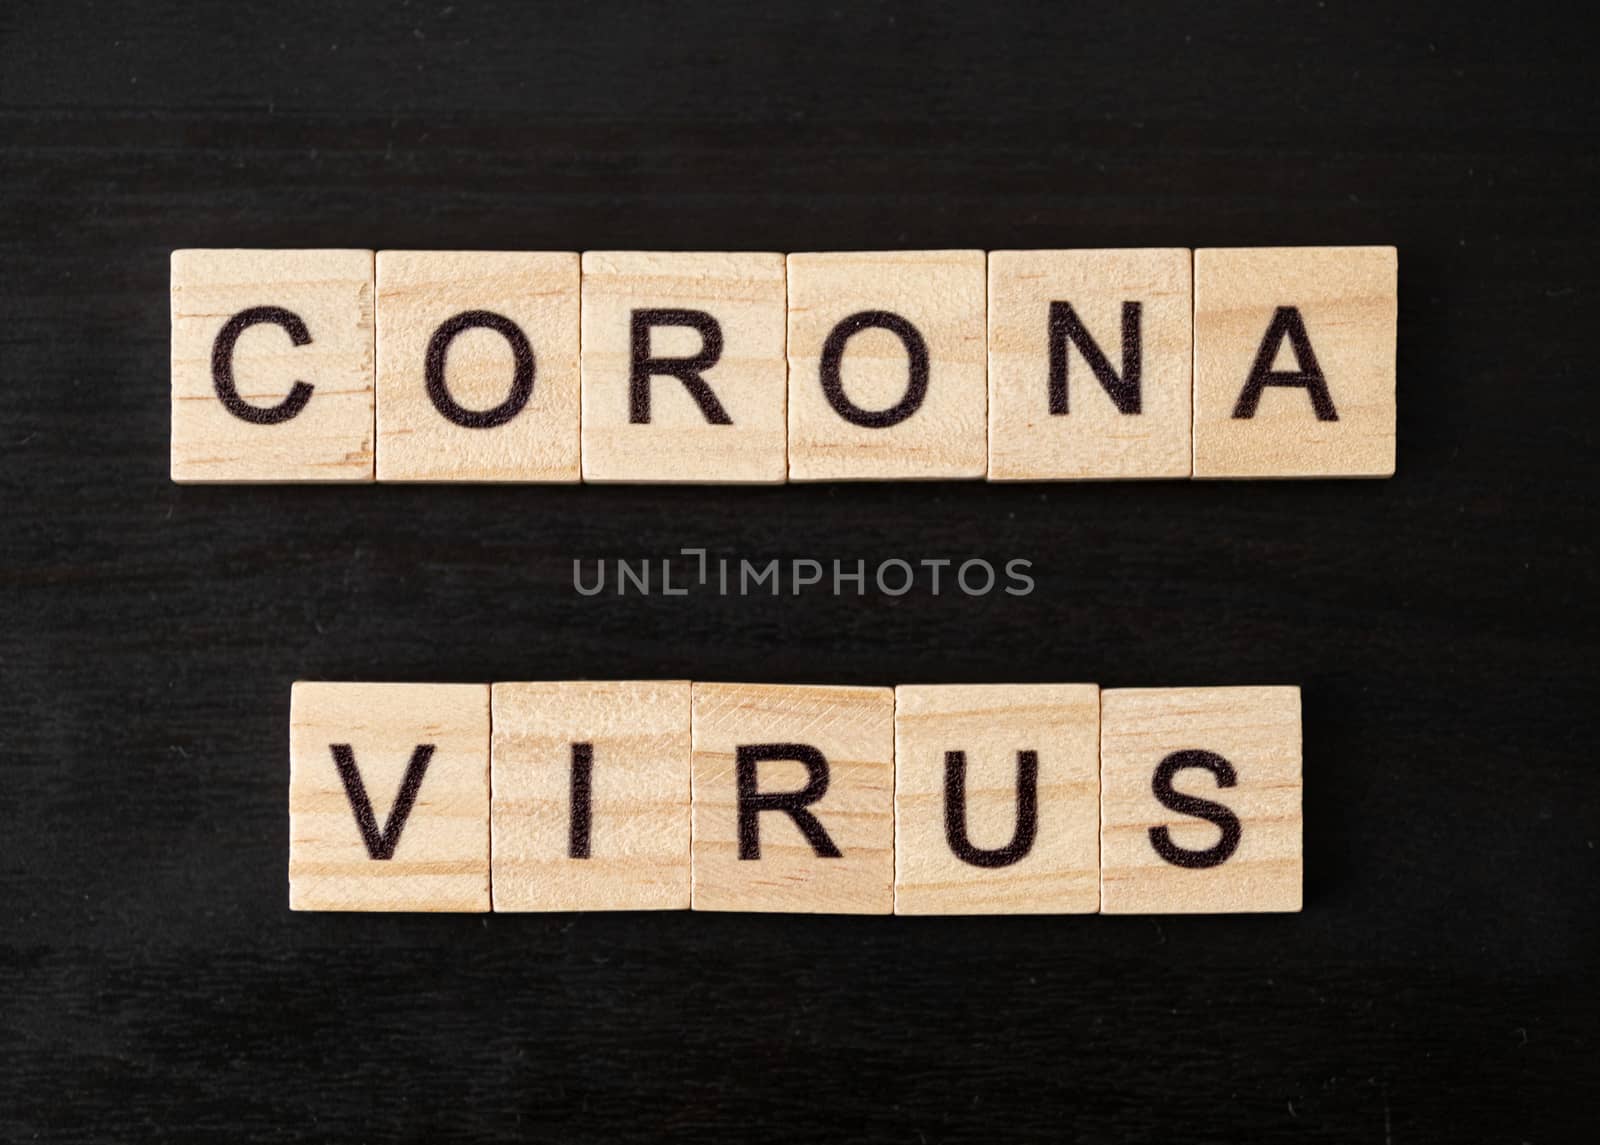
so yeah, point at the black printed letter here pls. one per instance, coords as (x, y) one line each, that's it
(916, 384)
(222, 365)
(955, 811)
(686, 370)
(1216, 813)
(381, 845)
(1286, 323)
(521, 379)
(792, 803)
(1065, 327)
(581, 801)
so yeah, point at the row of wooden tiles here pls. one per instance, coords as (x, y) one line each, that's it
(667, 795)
(762, 368)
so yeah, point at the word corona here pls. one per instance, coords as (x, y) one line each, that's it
(697, 367)
(920, 799)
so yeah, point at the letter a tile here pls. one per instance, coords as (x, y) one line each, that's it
(793, 798)
(997, 799)
(591, 796)
(1294, 362)
(389, 797)
(1199, 800)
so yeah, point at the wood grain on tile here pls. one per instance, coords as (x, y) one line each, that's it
(684, 374)
(1089, 364)
(816, 764)
(886, 366)
(1200, 800)
(272, 376)
(478, 366)
(591, 796)
(997, 799)
(389, 797)
(1294, 353)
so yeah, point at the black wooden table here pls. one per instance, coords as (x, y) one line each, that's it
(1439, 985)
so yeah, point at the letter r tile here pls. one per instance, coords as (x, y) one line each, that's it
(793, 798)
(389, 797)
(1199, 800)
(997, 799)
(684, 378)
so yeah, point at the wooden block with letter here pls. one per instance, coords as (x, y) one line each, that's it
(478, 366)
(997, 799)
(271, 365)
(684, 375)
(1294, 362)
(1200, 800)
(389, 797)
(793, 798)
(886, 366)
(1089, 364)
(591, 796)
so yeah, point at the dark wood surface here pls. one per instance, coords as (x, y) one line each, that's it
(1439, 985)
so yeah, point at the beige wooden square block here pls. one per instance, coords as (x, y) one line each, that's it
(684, 375)
(997, 799)
(886, 366)
(271, 365)
(389, 797)
(793, 798)
(478, 366)
(1199, 800)
(1089, 364)
(591, 796)
(1294, 352)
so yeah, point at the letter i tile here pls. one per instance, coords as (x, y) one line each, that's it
(591, 796)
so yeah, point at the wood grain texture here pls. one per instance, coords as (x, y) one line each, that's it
(991, 724)
(1257, 732)
(329, 292)
(441, 859)
(1438, 986)
(745, 295)
(1346, 301)
(1092, 438)
(941, 294)
(537, 291)
(637, 835)
(853, 728)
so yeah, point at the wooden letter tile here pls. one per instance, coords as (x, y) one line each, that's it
(1089, 364)
(271, 365)
(1200, 800)
(389, 797)
(591, 796)
(1294, 362)
(886, 366)
(997, 799)
(793, 798)
(684, 376)
(478, 366)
